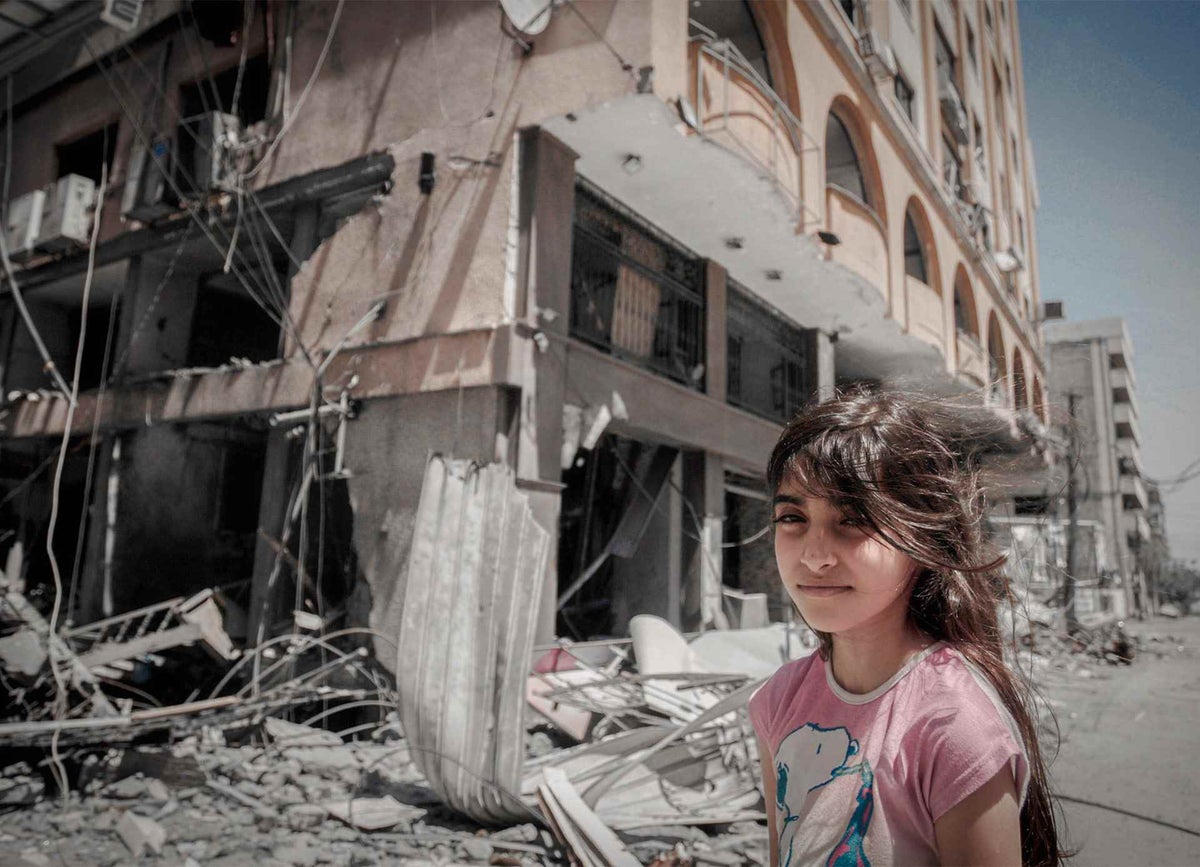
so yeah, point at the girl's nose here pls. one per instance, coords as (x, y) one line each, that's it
(817, 554)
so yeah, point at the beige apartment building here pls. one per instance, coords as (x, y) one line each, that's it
(613, 245)
(1092, 370)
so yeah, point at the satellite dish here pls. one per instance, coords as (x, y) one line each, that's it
(530, 17)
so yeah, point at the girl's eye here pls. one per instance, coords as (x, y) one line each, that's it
(790, 519)
(853, 523)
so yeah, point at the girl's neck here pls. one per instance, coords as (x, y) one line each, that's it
(865, 660)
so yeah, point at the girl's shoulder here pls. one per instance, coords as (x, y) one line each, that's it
(947, 676)
(956, 717)
(779, 688)
(952, 700)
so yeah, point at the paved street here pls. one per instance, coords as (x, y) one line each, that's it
(1131, 742)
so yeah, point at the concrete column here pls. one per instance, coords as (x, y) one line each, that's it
(156, 319)
(703, 522)
(674, 494)
(272, 513)
(90, 605)
(546, 207)
(716, 318)
(825, 358)
(302, 245)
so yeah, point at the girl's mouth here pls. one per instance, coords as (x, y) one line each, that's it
(822, 589)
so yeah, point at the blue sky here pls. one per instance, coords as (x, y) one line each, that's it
(1113, 99)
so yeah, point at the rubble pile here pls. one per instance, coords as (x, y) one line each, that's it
(287, 794)
(294, 753)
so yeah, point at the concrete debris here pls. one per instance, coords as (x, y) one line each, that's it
(373, 814)
(141, 834)
(289, 734)
(628, 751)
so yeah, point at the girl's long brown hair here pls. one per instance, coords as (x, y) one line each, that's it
(898, 464)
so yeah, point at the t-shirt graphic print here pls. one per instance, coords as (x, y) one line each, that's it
(811, 758)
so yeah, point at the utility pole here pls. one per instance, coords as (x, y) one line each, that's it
(1072, 517)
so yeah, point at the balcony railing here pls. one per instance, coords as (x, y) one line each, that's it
(771, 367)
(635, 293)
(739, 110)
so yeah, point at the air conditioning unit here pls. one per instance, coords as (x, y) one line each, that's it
(1052, 310)
(121, 14)
(214, 162)
(67, 221)
(148, 194)
(952, 109)
(1009, 261)
(24, 223)
(879, 56)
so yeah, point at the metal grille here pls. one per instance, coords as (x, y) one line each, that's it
(635, 293)
(770, 365)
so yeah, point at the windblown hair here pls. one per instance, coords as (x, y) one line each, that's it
(894, 463)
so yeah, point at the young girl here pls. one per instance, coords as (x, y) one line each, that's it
(905, 739)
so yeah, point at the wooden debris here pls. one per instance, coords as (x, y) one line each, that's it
(174, 623)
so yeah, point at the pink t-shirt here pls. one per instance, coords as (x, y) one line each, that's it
(860, 779)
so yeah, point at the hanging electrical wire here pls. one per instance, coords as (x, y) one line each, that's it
(291, 117)
(212, 231)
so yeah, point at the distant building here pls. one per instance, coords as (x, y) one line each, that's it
(614, 246)
(1156, 552)
(1091, 366)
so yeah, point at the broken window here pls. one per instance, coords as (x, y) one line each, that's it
(636, 293)
(612, 560)
(773, 373)
(228, 323)
(97, 344)
(88, 154)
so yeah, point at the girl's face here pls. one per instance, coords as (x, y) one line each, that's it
(842, 579)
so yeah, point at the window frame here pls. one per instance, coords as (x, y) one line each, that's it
(908, 106)
(915, 250)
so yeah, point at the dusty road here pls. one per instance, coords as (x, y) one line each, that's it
(1132, 743)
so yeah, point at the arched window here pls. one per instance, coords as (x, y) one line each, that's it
(842, 166)
(997, 365)
(915, 262)
(965, 319)
(735, 22)
(1020, 394)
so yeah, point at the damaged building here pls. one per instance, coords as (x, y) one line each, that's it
(293, 249)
